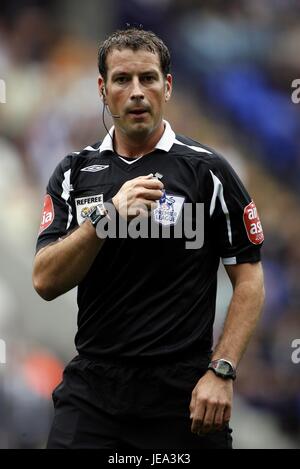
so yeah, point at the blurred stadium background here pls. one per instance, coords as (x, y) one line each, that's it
(234, 62)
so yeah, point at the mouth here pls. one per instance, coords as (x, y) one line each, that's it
(138, 112)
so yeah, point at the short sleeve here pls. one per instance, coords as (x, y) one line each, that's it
(234, 219)
(57, 211)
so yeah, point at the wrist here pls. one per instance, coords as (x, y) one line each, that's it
(96, 214)
(223, 368)
(221, 356)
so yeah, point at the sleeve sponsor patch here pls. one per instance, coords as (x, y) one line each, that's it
(48, 214)
(252, 224)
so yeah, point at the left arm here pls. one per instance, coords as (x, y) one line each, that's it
(211, 401)
(244, 310)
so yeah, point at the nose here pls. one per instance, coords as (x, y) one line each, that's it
(136, 91)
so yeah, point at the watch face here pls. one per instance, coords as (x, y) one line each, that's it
(223, 368)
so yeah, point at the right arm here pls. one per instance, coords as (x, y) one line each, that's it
(62, 265)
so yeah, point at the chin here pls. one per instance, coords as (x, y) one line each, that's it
(141, 128)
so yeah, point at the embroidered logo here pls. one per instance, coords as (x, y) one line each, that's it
(95, 168)
(85, 204)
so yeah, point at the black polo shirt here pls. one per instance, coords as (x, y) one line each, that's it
(153, 297)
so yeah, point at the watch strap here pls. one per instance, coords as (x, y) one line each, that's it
(96, 214)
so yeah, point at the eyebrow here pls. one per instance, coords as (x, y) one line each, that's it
(146, 72)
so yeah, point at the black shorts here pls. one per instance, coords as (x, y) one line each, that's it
(113, 405)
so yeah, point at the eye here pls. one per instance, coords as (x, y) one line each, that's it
(121, 80)
(148, 78)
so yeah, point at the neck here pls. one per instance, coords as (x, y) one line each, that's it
(132, 147)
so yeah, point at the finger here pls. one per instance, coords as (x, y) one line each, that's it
(141, 212)
(142, 181)
(227, 414)
(148, 176)
(197, 424)
(150, 183)
(145, 204)
(141, 207)
(139, 196)
(219, 417)
(208, 420)
(139, 180)
(192, 405)
(197, 416)
(147, 194)
(145, 209)
(152, 194)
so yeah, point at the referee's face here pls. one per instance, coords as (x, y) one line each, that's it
(136, 90)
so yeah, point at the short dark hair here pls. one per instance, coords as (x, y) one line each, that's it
(134, 39)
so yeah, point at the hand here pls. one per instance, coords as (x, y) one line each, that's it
(211, 403)
(138, 196)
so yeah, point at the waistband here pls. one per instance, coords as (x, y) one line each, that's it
(200, 359)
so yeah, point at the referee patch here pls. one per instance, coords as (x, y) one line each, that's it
(48, 213)
(85, 204)
(252, 224)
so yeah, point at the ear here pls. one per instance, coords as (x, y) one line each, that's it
(101, 88)
(168, 87)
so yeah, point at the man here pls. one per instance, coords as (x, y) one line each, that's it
(145, 375)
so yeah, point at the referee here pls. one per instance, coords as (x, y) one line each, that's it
(145, 375)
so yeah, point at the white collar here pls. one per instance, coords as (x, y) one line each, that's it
(165, 143)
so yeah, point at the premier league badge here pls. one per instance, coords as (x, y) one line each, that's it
(168, 209)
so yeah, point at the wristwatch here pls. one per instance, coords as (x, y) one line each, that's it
(96, 214)
(223, 368)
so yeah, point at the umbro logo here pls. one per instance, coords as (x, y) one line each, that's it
(95, 168)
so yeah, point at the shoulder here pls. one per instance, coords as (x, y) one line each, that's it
(72, 159)
(86, 153)
(90, 150)
(192, 146)
(201, 152)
